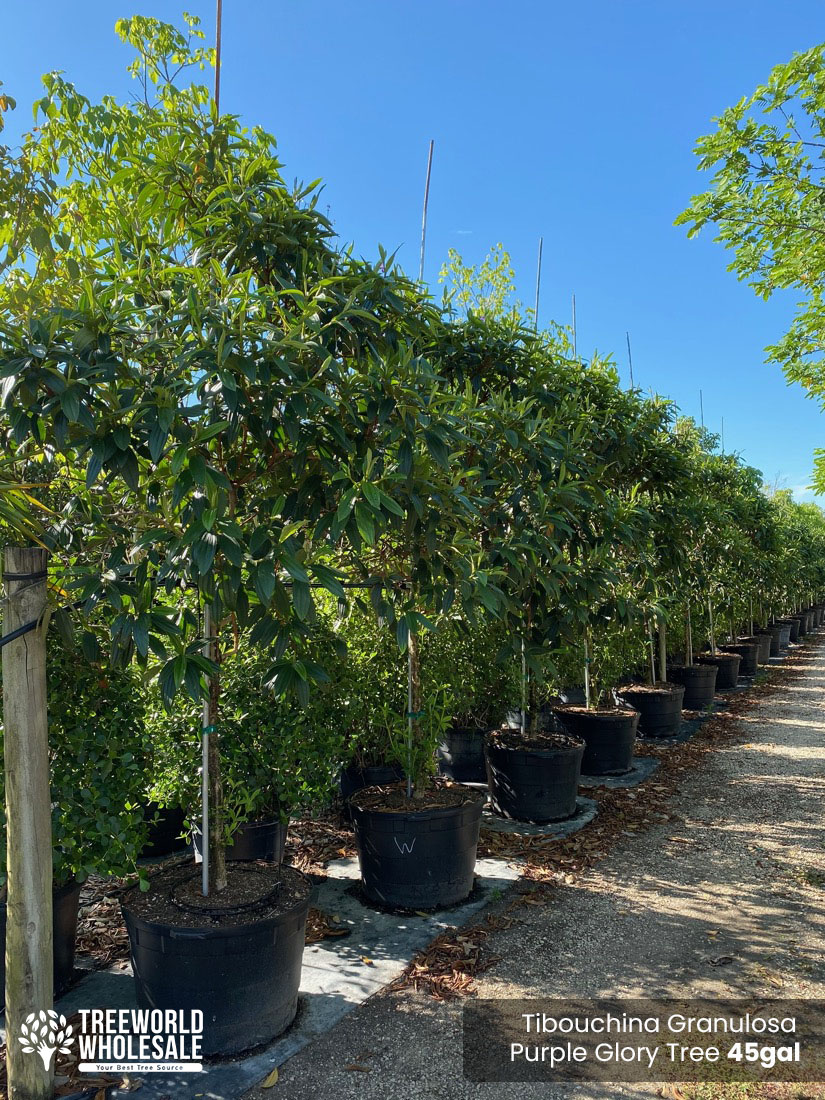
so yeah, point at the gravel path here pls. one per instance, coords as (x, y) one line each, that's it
(738, 871)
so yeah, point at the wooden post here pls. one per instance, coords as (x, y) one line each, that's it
(29, 980)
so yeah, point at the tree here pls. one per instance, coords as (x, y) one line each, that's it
(191, 350)
(767, 202)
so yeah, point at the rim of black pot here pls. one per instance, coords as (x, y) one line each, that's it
(216, 930)
(572, 742)
(595, 712)
(472, 795)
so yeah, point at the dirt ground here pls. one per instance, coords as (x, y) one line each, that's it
(724, 898)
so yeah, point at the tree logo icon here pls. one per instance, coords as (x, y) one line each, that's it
(44, 1033)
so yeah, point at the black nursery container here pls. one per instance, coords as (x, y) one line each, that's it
(699, 682)
(774, 632)
(243, 978)
(608, 735)
(253, 840)
(749, 654)
(165, 829)
(65, 904)
(534, 784)
(354, 778)
(659, 707)
(794, 628)
(764, 643)
(418, 859)
(461, 755)
(727, 668)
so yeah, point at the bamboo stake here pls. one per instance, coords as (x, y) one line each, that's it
(575, 352)
(712, 634)
(662, 651)
(750, 615)
(652, 652)
(587, 670)
(424, 214)
(29, 975)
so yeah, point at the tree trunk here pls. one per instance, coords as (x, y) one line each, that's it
(214, 848)
(217, 848)
(29, 976)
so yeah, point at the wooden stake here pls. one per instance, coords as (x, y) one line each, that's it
(424, 214)
(652, 652)
(575, 352)
(662, 652)
(712, 635)
(29, 980)
(587, 670)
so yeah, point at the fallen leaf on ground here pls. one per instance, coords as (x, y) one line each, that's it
(270, 1080)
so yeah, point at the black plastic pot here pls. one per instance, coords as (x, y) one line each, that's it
(727, 668)
(244, 978)
(794, 628)
(253, 840)
(461, 755)
(608, 735)
(165, 828)
(784, 635)
(534, 784)
(773, 632)
(802, 619)
(659, 707)
(764, 642)
(353, 778)
(749, 653)
(65, 902)
(699, 682)
(417, 859)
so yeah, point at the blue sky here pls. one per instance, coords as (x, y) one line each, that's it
(574, 122)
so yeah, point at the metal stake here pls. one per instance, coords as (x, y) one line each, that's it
(206, 730)
(538, 285)
(424, 214)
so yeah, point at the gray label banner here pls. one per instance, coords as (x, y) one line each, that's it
(612, 1040)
